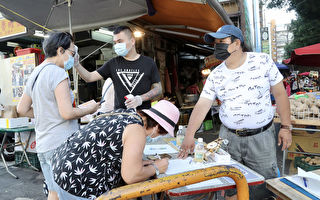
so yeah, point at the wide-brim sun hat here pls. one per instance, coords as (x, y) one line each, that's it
(224, 32)
(166, 114)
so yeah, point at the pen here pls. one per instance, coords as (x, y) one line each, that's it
(305, 181)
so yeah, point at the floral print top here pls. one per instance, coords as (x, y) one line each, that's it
(88, 164)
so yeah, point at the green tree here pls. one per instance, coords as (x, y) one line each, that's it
(306, 28)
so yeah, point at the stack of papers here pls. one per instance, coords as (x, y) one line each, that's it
(311, 183)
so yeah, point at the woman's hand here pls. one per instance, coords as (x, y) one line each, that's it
(162, 165)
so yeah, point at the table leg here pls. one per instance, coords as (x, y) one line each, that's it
(2, 157)
(24, 148)
(283, 161)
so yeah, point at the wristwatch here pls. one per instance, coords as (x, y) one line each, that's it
(156, 168)
(289, 127)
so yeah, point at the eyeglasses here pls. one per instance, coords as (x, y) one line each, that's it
(73, 52)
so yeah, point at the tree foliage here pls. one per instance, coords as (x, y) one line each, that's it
(306, 28)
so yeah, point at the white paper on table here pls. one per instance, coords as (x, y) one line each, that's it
(158, 149)
(313, 181)
(183, 165)
(215, 181)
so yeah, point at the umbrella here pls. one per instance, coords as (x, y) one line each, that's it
(305, 56)
(54, 14)
(304, 74)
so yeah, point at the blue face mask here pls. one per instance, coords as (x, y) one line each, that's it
(69, 63)
(121, 49)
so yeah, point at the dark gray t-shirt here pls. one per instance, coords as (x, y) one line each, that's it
(51, 129)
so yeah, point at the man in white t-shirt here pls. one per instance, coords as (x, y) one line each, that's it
(242, 83)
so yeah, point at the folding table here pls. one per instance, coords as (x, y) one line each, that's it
(5, 131)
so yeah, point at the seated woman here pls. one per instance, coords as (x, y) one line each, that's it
(109, 149)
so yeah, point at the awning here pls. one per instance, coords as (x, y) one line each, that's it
(305, 56)
(186, 20)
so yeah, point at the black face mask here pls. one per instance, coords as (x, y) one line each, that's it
(221, 51)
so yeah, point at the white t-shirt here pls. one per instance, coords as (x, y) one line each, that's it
(51, 129)
(244, 91)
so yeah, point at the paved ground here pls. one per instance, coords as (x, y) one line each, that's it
(27, 187)
(29, 184)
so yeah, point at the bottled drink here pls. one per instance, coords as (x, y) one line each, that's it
(180, 135)
(199, 151)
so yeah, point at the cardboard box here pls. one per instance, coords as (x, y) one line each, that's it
(14, 122)
(24, 136)
(304, 144)
(306, 133)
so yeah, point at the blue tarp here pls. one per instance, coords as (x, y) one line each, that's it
(282, 66)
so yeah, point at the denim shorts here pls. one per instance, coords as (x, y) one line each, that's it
(257, 152)
(45, 163)
(64, 195)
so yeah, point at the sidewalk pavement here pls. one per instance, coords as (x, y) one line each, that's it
(27, 187)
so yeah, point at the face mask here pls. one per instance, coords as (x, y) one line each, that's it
(149, 139)
(69, 63)
(121, 49)
(221, 51)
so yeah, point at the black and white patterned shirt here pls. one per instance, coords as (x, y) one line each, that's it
(88, 164)
(244, 92)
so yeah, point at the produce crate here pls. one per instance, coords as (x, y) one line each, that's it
(33, 158)
(207, 125)
(303, 165)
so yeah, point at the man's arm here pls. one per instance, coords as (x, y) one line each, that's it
(197, 116)
(283, 106)
(156, 90)
(86, 75)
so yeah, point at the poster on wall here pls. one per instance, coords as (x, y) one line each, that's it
(21, 68)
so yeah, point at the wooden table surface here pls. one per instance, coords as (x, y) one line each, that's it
(284, 191)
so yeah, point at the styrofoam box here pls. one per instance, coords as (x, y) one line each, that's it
(14, 122)
(24, 136)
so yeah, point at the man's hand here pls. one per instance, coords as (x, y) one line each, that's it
(133, 102)
(186, 147)
(285, 138)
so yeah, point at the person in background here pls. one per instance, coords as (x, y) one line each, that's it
(108, 97)
(130, 72)
(48, 98)
(109, 149)
(242, 83)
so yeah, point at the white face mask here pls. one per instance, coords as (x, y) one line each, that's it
(121, 49)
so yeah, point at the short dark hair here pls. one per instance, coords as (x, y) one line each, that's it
(233, 38)
(125, 29)
(56, 40)
(152, 123)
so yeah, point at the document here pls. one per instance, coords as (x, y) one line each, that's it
(154, 149)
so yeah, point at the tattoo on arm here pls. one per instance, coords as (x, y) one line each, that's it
(154, 92)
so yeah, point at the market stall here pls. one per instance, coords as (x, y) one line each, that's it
(305, 118)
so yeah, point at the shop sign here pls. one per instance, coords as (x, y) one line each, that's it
(9, 28)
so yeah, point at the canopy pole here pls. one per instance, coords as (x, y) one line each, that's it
(74, 71)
